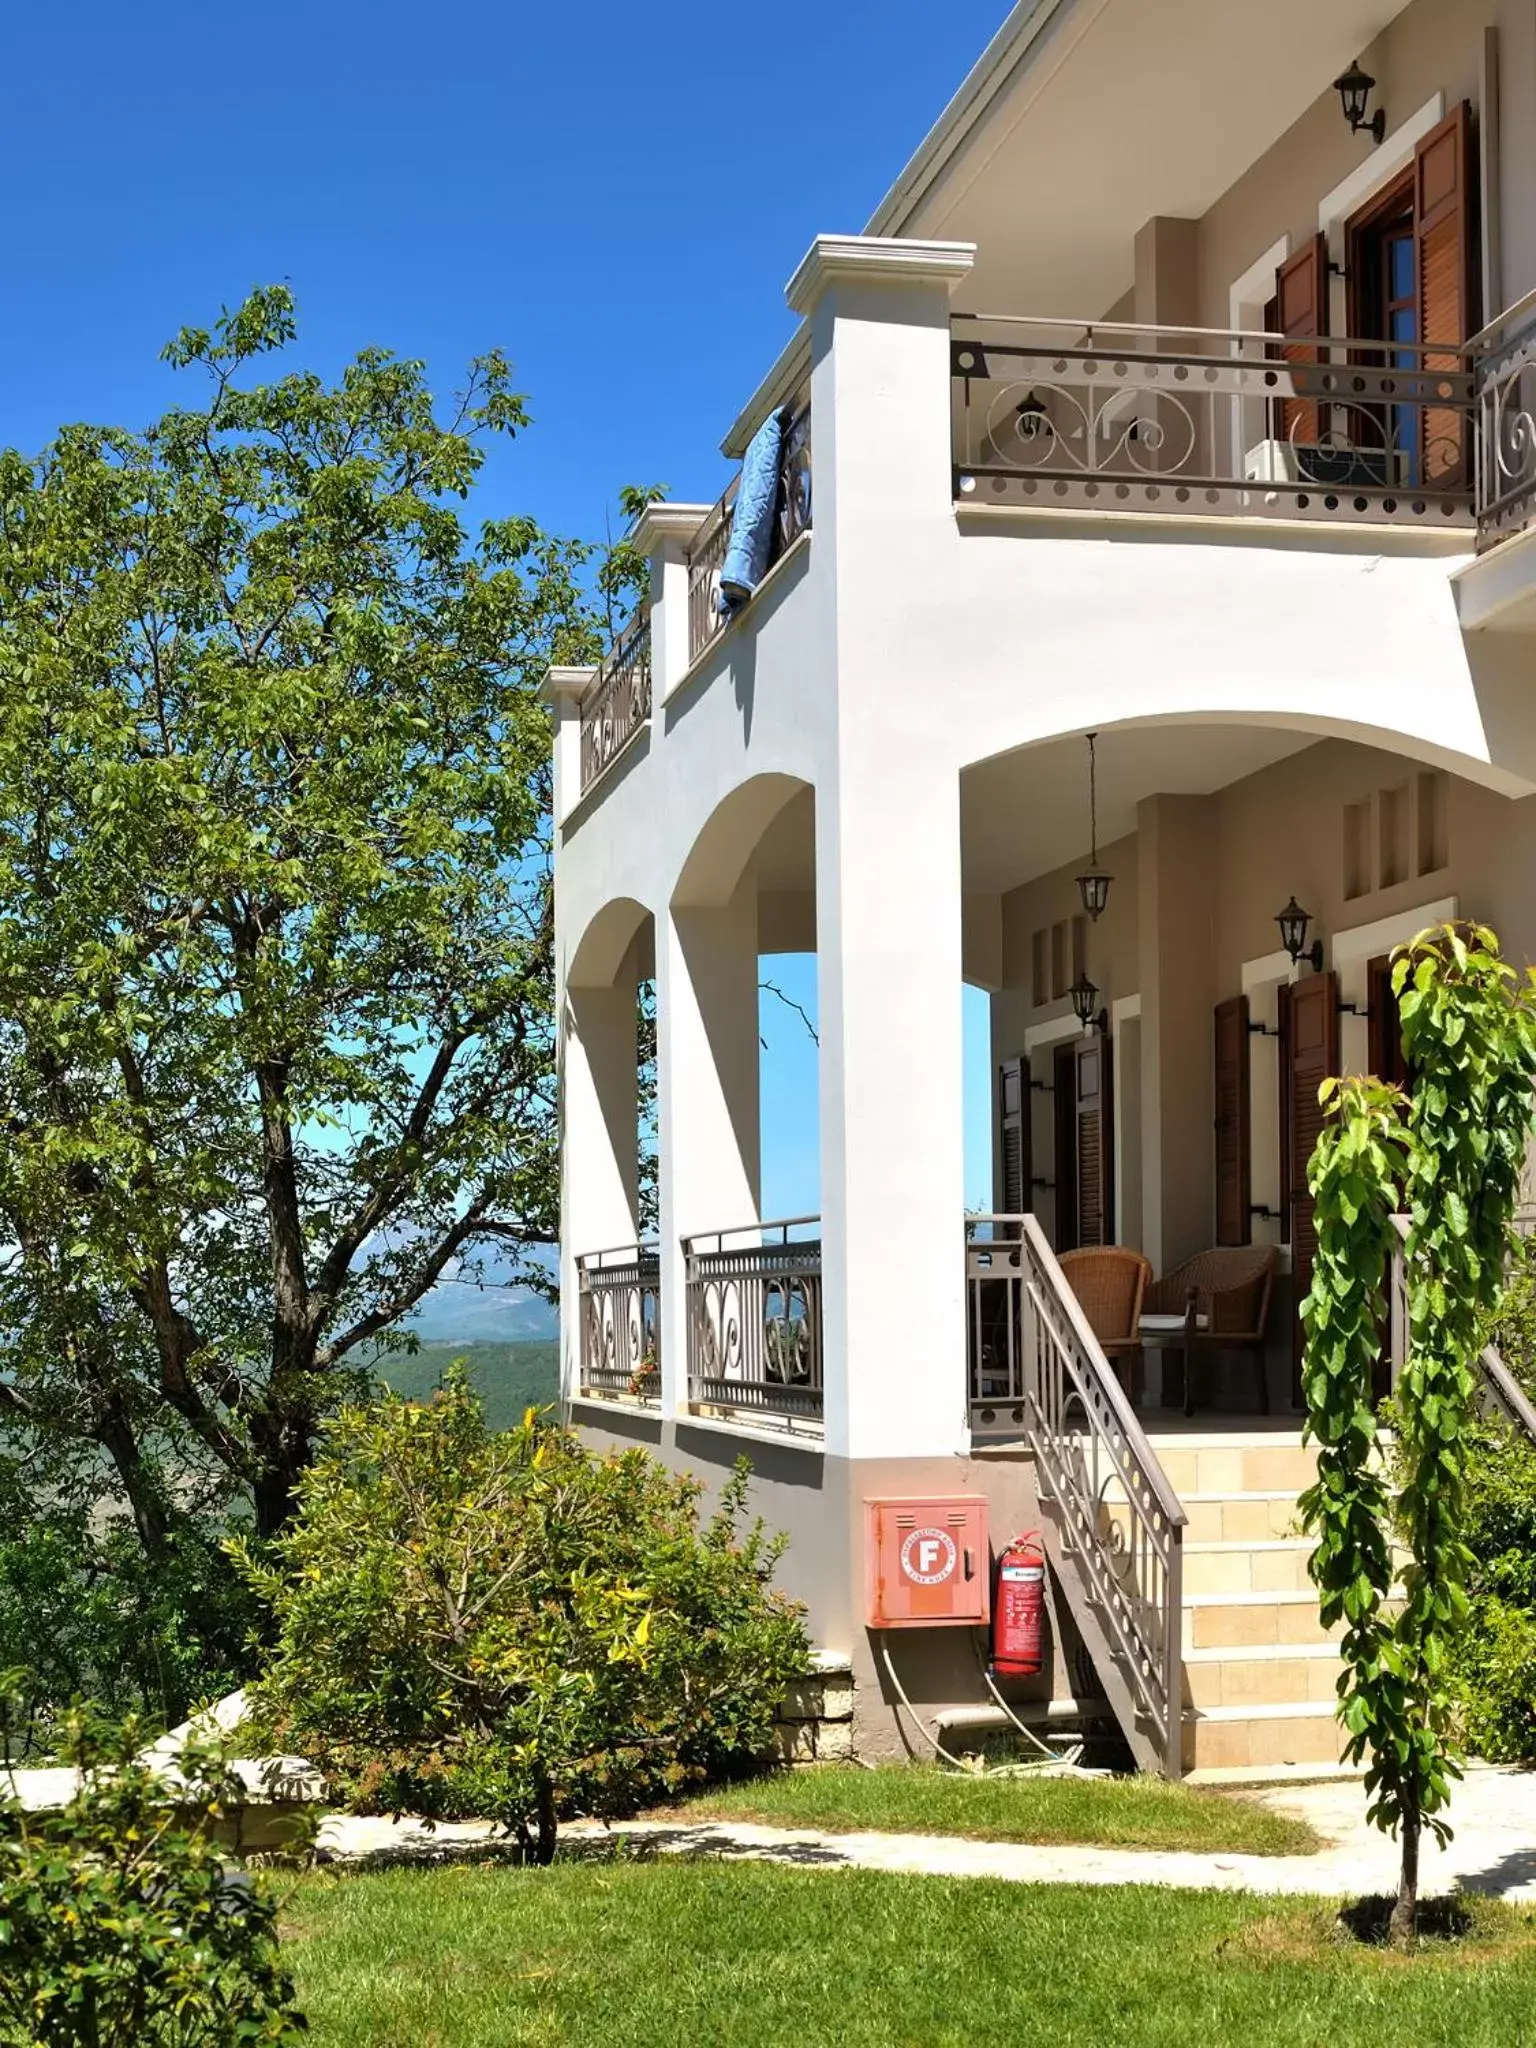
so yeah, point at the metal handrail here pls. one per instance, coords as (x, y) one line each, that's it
(620, 1325)
(1090, 329)
(1500, 1390)
(617, 704)
(754, 1321)
(1093, 1465)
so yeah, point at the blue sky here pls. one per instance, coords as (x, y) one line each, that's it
(613, 195)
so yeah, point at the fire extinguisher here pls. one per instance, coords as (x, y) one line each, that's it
(1018, 1612)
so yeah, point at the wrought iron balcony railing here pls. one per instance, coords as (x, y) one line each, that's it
(620, 1322)
(1506, 423)
(619, 702)
(792, 517)
(754, 1320)
(1053, 413)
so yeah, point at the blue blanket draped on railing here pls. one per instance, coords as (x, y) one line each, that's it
(746, 554)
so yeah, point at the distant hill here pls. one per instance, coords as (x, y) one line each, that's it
(458, 1312)
(510, 1377)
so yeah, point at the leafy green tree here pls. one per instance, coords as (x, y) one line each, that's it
(275, 943)
(1452, 1156)
(505, 1626)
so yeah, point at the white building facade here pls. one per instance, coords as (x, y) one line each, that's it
(1155, 403)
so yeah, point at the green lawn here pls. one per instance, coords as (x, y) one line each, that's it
(635, 1955)
(916, 1799)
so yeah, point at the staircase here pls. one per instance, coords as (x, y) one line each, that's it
(1259, 1669)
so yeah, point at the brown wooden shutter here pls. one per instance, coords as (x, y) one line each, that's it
(1013, 1127)
(1233, 1163)
(1445, 237)
(1301, 299)
(1314, 1055)
(1283, 1024)
(1095, 1143)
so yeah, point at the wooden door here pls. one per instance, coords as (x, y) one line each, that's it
(1314, 1055)
(1233, 1135)
(1384, 1028)
(1095, 1122)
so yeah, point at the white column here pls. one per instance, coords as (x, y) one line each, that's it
(663, 533)
(707, 1097)
(599, 1141)
(563, 691)
(888, 855)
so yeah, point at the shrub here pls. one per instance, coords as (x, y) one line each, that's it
(1495, 1661)
(121, 1920)
(507, 1626)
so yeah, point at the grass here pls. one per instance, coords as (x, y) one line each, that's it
(917, 1799)
(752, 1956)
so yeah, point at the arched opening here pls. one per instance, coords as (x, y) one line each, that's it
(609, 1185)
(1177, 1121)
(740, 1095)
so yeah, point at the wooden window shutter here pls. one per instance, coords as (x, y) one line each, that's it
(1013, 1130)
(1301, 300)
(1445, 238)
(1314, 1051)
(1095, 1143)
(1233, 1155)
(1283, 1022)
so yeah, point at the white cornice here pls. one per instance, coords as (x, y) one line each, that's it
(662, 522)
(789, 372)
(988, 77)
(560, 685)
(833, 259)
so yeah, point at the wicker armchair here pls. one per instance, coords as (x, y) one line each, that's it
(1109, 1283)
(1223, 1298)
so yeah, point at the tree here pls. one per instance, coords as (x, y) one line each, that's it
(506, 1626)
(1452, 1154)
(276, 1049)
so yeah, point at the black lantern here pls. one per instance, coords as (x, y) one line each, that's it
(1085, 997)
(1093, 886)
(1354, 88)
(1293, 922)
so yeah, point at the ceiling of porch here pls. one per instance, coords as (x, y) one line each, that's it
(1109, 113)
(1025, 814)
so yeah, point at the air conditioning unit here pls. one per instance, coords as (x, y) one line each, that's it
(1329, 467)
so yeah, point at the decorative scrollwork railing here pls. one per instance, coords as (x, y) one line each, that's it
(754, 1319)
(620, 1322)
(619, 702)
(1498, 1391)
(1506, 423)
(791, 518)
(1037, 1371)
(1052, 413)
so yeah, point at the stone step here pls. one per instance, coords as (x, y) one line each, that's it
(1276, 1564)
(1228, 1738)
(1232, 1466)
(1228, 1518)
(1235, 1621)
(1263, 1675)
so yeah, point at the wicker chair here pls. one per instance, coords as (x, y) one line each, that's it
(1109, 1283)
(1222, 1296)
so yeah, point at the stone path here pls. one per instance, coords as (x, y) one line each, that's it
(1494, 1849)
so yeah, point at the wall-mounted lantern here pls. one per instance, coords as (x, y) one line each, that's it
(1354, 88)
(1294, 922)
(1085, 1003)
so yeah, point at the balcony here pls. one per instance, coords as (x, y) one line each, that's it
(1053, 414)
(620, 1295)
(792, 517)
(754, 1322)
(618, 705)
